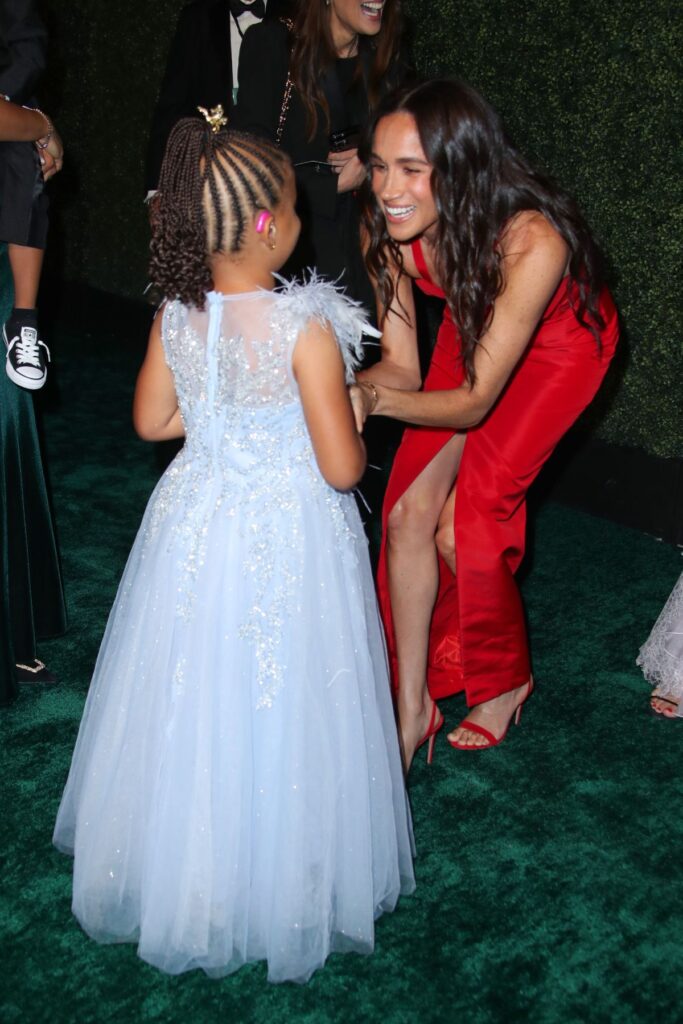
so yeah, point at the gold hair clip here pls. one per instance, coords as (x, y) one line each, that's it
(215, 118)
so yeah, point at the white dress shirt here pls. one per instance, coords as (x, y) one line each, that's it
(237, 29)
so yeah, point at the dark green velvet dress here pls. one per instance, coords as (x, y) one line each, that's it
(32, 596)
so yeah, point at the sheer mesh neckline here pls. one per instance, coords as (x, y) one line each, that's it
(213, 294)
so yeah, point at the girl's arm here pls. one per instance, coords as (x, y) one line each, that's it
(399, 366)
(156, 416)
(319, 371)
(535, 260)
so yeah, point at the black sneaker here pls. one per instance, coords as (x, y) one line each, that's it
(34, 671)
(27, 358)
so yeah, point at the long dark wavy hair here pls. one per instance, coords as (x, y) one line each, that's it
(211, 183)
(313, 53)
(479, 181)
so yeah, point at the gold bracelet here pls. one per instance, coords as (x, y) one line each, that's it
(50, 128)
(369, 386)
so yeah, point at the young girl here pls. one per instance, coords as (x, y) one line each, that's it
(236, 790)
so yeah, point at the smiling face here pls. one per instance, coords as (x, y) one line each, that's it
(351, 18)
(402, 178)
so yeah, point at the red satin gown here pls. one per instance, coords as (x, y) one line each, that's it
(478, 639)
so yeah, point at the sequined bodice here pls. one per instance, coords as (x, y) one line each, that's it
(247, 455)
(232, 368)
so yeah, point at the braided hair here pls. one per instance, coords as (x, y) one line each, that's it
(210, 186)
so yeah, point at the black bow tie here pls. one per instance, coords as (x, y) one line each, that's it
(258, 8)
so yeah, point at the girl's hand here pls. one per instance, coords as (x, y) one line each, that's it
(350, 171)
(363, 401)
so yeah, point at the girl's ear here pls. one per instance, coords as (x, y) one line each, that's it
(265, 225)
(272, 234)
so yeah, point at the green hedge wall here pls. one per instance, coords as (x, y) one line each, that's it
(588, 88)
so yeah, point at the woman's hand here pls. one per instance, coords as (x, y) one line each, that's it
(350, 171)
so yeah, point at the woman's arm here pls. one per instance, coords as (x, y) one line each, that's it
(399, 366)
(535, 260)
(156, 416)
(319, 371)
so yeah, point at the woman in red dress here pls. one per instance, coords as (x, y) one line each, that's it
(527, 336)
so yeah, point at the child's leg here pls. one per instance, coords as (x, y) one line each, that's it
(27, 355)
(26, 263)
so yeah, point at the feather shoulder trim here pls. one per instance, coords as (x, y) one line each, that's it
(327, 303)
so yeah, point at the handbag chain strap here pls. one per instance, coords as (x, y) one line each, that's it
(287, 96)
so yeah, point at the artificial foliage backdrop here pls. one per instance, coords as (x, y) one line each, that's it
(588, 88)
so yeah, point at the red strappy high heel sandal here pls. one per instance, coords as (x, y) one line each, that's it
(432, 730)
(492, 741)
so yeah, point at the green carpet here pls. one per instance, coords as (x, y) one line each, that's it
(548, 869)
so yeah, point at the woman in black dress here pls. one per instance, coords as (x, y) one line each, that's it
(309, 85)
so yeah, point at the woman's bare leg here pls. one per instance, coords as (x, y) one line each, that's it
(495, 714)
(413, 578)
(445, 533)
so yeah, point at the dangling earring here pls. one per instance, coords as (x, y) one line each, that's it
(272, 232)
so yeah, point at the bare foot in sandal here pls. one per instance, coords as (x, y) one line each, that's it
(664, 706)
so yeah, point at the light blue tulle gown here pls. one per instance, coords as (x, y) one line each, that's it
(236, 790)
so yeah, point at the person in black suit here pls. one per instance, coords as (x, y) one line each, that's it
(201, 70)
(31, 595)
(340, 61)
(23, 202)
